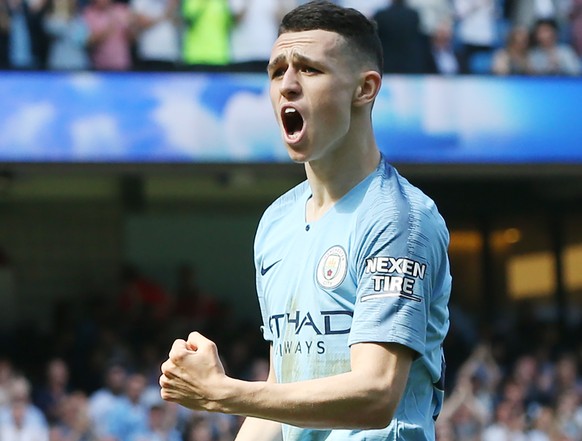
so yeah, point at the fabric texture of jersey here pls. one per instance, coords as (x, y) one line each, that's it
(374, 268)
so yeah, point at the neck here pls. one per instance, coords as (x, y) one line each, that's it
(331, 177)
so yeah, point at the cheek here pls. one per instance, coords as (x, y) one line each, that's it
(335, 109)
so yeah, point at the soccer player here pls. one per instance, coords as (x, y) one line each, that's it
(352, 269)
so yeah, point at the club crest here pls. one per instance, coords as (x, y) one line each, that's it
(332, 268)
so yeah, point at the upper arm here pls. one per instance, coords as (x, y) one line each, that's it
(385, 366)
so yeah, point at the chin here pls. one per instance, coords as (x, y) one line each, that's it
(296, 156)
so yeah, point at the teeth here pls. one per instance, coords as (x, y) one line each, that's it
(290, 110)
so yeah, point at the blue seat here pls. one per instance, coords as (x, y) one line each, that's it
(481, 63)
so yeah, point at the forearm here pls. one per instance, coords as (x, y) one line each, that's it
(256, 429)
(363, 398)
(351, 400)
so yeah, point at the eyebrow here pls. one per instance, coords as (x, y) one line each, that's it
(297, 58)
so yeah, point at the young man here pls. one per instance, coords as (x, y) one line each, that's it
(352, 271)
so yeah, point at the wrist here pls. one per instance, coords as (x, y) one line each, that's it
(235, 396)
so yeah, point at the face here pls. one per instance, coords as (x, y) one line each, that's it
(135, 386)
(546, 35)
(312, 84)
(520, 38)
(101, 3)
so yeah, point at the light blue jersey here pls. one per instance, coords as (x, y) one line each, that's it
(374, 268)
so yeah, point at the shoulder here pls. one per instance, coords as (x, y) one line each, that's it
(567, 51)
(393, 207)
(392, 195)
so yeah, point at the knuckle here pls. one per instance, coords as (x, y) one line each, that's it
(167, 366)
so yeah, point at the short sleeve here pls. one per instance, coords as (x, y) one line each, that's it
(398, 256)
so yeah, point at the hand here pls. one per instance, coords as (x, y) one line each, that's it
(193, 375)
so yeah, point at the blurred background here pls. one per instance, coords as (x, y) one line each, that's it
(138, 151)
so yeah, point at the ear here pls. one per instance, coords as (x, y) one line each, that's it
(368, 88)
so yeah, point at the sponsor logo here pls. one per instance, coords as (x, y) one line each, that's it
(393, 277)
(322, 323)
(301, 332)
(332, 268)
(265, 270)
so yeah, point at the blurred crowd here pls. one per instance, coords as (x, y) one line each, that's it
(94, 375)
(505, 37)
(517, 378)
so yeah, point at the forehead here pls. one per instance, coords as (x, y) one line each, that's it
(315, 44)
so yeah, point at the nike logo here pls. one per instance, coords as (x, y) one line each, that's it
(265, 270)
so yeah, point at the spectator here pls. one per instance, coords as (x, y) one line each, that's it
(432, 14)
(568, 420)
(6, 377)
(4, 34)
(256, 24)
(129, 416)
(543, 425)
(27, 41)
(17, 427)
(524, 374)
(157, 427)
(463, 410)
(485, 374)
(75, 424)
(199, 429)
(37, 10)
(158, 33)
(142, 297)
(108, 397)
(399, 31)
(193, 304)
(509, 424)
(526, 13)
(207, 32)
(566, 377)
(576, 22)
(110, 34)
(69, 34)
(548, 57)
(21, 414)
(477, 29)
(444, 59)
(55, 390)
(513, 59)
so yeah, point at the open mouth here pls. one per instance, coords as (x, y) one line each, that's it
(292, 122)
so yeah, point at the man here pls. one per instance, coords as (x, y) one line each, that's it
(352, 272)
(399, 32)
(206, 39)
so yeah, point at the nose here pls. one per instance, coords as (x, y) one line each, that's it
(290, 86)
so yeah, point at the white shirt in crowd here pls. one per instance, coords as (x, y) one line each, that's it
(256, 28)
(161, 41)
(477, 22)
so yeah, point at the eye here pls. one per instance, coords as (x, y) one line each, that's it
(277, 72)
(309, 70)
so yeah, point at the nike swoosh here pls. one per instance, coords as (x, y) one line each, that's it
(264, 270)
